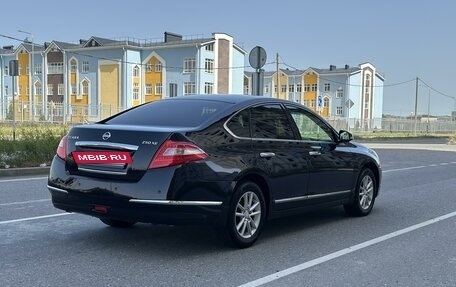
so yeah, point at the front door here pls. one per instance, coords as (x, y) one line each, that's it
(332, 172)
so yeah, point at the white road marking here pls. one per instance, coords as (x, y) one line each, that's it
(405, 168)
(23, 179)
(420, 166)
(334, 255)
(34, 218)
(24, 202)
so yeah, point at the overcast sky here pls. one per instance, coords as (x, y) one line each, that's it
(403, 39)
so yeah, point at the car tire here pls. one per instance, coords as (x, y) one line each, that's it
(364, 196)
(117, 223)
(246, 215)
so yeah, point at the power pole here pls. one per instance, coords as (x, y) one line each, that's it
(277, 75)
(416, 105)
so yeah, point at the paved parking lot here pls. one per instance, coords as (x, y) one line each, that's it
(408, 240)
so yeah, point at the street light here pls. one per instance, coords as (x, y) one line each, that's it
(32, 72)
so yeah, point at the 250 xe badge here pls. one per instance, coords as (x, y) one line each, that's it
(100, 157)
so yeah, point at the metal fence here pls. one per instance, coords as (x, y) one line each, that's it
(24, 112)
(51, 112)
(396, 125)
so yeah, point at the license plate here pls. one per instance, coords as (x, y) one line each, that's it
(101, 157)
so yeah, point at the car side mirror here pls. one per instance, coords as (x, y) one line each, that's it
(345, 136)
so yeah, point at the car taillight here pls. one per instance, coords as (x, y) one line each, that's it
(62, 148)
(176, 152)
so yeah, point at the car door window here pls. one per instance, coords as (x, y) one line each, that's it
(310, 127)
(270, 122)
(239, 125)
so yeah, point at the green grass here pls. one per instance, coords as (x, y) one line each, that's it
(35, 144)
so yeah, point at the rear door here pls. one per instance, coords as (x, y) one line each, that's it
(277, 153)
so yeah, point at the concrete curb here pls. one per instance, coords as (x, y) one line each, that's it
(27, 171)
(431, 147)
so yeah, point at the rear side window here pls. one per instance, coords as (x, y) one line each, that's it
(239, 125)
(270, 122)
(171, 113)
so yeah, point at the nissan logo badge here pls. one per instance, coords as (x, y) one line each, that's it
(106, 136)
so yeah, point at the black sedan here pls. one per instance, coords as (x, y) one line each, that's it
(234, 161)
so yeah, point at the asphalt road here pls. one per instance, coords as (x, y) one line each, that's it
(321, 248)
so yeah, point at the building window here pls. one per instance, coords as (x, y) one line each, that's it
(19, 69)
(158, 88)
(136, 72)
(135, 91)
(85, 88)
(326, 102)
(20, 90)
(209, 66)
(246, 89)
(60, 89)
(50, 89)
(327, 87)
(85, 66)
(38, 69)
(209, 47)
(299, 88)
(27, 69)
(189, 65)
(291, 88)
(340, 93)
(313, 103)
(74, 89)
(172, 90)
(314, 87)
(367, 80)
(284, 88)
(148, 68)
(148, 89)
(38, 89)
(6, 90)
(275, 88)
(6, 71)
(189, 88)
(158, 67)
(73, 66)
(208, 88)
(339, 111)
(55, 68)
(306, 88)
(266, 89)
(27, 90)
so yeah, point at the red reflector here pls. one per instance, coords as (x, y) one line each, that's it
(101, 208)
(99, 157)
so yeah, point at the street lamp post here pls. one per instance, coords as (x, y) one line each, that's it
(32, 72)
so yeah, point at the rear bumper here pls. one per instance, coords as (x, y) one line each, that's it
(160, 196)
(149, 211)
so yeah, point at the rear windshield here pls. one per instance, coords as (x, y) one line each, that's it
(170, 113)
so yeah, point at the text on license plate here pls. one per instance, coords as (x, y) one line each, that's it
(98, 157)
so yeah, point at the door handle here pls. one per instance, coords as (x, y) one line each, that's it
(314, 152)
(267, 154)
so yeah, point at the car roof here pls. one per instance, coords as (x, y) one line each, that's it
(233, 99)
